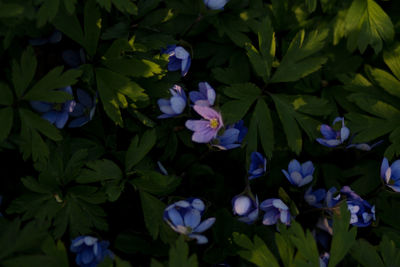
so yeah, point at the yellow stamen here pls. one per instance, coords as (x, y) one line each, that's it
(214, 123)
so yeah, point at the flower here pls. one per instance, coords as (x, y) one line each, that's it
(89, 251)
(175, 105)
(205, 96)
(205, 130)
(161, 168)
(232, 137)
(324, 259)
(184, 217)
(74, 58)
(332, 137)
(314, 198)
(364, 146)
(54, 38)
(215, 4)
(299, 175)
(275, 209)
(362, 213)
(330, 200)
(246, 207)
(179, 58)
(258, 165)
(391, 174)
(84, 109)
(56, 113)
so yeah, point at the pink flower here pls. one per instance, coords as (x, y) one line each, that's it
(205, 130)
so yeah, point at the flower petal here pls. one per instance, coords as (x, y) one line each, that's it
(178, 104)
(84, 98)
(395, 170)
(41, 106)
(204, 135)
(197, 125)
(271, 217)
(205, 225)
(201, 239)
(384, 167)
(307, 168)
(294, 166)
(207, 112)
(175, 217)
(241, 205)
(61, 119)
(192, 218)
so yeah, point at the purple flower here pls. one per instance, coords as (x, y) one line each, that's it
(56, 113)
(315, 198)
(179, 59)
(54, 38)
(204, 97)
(175, 105)
(391, 174)
(275, 209)
(246, 207)
(215, 4)
(332, 137)
(84, 109)
(89, 251)
(258, 165)
(184, 217)
(362, 213)
(74, 58)
(364, 146)
(205, 130)
(232, 136)
(299, 175)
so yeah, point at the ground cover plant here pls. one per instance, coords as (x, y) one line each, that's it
(200, 133)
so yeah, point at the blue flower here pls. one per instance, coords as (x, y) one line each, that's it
(315, 198)
(362, 213)
(391, 174)
(204, 97)
(299, 175)
(275, 210)
(57, 113)
(330, 199)
(179, 59)
(184, 217)
(161, 168)
(173, 106)
(365, 146)
(89, 251)
(258, 165)
(324, 260)
(74, 58)
(332, 137)
(54, 38)
(246, 207)
(232, 136)
(84, 109)
(215, 4)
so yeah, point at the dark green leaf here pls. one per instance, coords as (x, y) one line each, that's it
(138, 149)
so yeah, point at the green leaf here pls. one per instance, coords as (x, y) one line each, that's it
(262, 59)
(256, 252)
(179, 255)
(138, 150)
(234, 110)
(11, 10)
(389, 251)
(6, 118)
(92, 26)
(343, 238)
(126, 6)
(23, 73)
(108, 83)
(47, 89)
(241, 91)
(70, 5)
(367, 24)
(6, 95)
(392, 59)
(311, 5)
(305, 243)
(36, 123)
(386, 81)
(106, 4)
(47, 11)
(300, 59)
(265, 127)
(134, 67)
(285, 249)
(366, 254)
(292, 131)
(70, 26)
(156, 183)
(152, 213)
(100, 170)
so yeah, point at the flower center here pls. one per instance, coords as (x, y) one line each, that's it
(214, 123)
